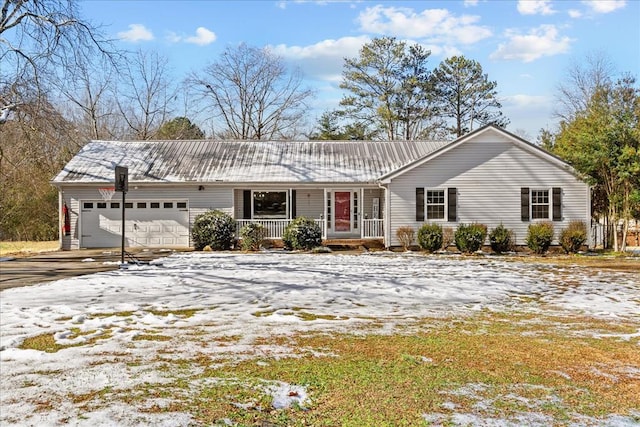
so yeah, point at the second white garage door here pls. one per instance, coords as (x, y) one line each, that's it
(148, 223)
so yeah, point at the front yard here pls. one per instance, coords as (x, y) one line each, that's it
(329, 339)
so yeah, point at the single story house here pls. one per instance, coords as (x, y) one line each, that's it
(354, 189)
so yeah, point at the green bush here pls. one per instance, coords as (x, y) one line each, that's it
(573, 237)
(252, 236)
(405, 236)
(303, 233)
(215, 229)
(469, 238)
(430, 237)
(501, 239)
(540, 236)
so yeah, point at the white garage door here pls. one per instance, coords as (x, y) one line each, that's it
(148, 223)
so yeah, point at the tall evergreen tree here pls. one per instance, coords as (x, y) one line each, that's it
(387, 87)
(466, 96)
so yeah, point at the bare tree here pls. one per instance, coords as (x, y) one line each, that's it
(146, 94)
(580, 83)
(90, 90)
(253, 94)
(38, 38)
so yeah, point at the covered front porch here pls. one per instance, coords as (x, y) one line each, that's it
(341, 213)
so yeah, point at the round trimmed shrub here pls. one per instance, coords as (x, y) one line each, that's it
(573, 237)
(252, 236)
(469, 238)
(303, 233)
(215, 229)
(501, 239)
(430, 237)
(540, 236)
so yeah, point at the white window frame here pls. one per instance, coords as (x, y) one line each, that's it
(548, 204)
(443, 204)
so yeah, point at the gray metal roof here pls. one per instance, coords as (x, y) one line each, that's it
(243, 161)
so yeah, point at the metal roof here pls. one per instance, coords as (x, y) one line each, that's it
(243, 161)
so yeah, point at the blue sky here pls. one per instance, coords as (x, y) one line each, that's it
(526, 46)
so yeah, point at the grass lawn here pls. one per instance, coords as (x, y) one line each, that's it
(7, 247)
(492, 367)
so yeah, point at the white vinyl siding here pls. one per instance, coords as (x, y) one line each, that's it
(488, 172)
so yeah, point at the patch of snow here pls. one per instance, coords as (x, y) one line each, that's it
(240, 298)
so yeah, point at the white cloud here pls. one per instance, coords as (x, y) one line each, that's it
(136, 33)
(574, 13)
(470, 3)
(434, 25)
(535, 7)
(203, 37)
(541, 41)
(605, 6)
(323, 60)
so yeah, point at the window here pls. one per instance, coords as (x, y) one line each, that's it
(539, 204)
(269, 204)
(87, 205)
(181, 205)
(142, 205)
(435, 204)
(115, 205)
(168, 205)
(128, 205)
(155, 205)
(102, 205)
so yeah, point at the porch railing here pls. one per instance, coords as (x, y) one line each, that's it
(372, 228)
(275, 227)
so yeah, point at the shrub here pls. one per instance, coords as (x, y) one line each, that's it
(447, 237)
(303, 233)
(470, 237)
(501, 239)
(215, 229)
(573, 237)
(253, 236)
(405, 235)
(430, 237)
(539, 236)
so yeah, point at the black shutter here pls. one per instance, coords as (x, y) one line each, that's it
(247, 204)
(557, 204)
(524, 204)
(452, 205)
(419, 204)
(293, 203)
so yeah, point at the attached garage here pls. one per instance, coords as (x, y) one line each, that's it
(148, 223)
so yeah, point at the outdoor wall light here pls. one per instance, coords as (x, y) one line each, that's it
(200, 187)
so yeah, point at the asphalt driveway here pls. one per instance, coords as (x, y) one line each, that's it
(21, 270)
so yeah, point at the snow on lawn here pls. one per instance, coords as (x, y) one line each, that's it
(248, 296)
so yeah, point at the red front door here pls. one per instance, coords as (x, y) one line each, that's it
(342, 211)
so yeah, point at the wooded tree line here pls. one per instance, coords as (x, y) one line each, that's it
(62, 83)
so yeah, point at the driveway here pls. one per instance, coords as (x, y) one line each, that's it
(28, 270)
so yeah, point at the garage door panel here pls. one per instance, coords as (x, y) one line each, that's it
(166, 226)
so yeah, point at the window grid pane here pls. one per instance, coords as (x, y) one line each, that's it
(435, 204)
(540, 204)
